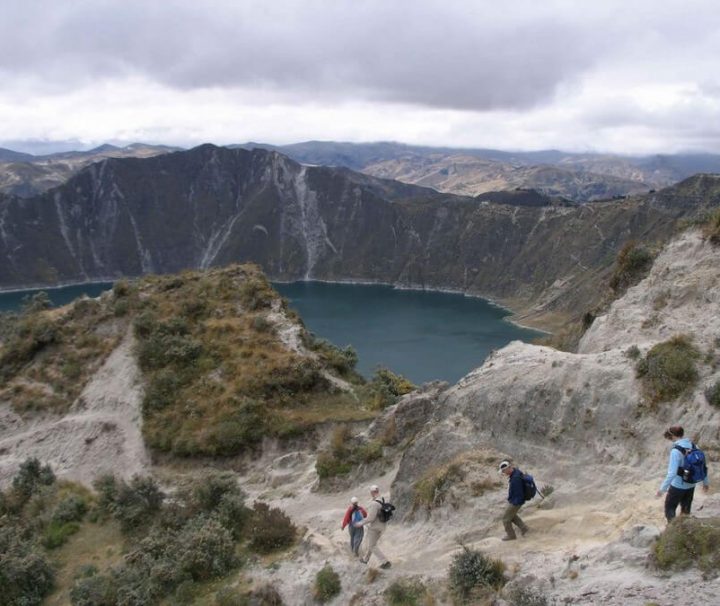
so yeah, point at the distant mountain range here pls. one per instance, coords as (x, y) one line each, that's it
(27, 175)
(210, 206)
(580, 177)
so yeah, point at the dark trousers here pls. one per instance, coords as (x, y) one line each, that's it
(678, 496)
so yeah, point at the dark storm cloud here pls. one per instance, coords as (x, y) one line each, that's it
(467, 55)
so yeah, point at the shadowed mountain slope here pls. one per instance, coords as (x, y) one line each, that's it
(212, 206)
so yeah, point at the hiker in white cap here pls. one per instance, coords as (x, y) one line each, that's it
(376, 523)
(516, 499)
(354, 514)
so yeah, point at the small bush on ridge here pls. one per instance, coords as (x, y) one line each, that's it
(327, 584)
(668, 368)
(270, 528)
(472, 570)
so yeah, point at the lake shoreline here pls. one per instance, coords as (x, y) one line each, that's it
(512, 313)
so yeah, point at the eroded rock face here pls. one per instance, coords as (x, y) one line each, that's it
(545, 406)
(100, 435)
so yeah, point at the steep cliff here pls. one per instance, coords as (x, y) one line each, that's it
(211, 206)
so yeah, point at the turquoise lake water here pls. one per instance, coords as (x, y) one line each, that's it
(422, 335)
(13, 301)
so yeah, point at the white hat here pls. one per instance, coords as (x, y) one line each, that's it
(353, 500)
(374, 488)
(504, 465)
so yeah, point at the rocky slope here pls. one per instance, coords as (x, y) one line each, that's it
(470, 176)
(211, 206)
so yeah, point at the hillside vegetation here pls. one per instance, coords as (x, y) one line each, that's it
(224, 362)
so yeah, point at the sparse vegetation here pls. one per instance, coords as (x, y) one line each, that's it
(689, 541)
(525, 596)
(631, 266)
(327, 584)
(408, 592)
(712, 394)
(711, 227)
(633, 352)
(269, 529)
(439, 485)
(472, 573)
(47, 355)
(385, 388)
(346, 453)
(668, 369)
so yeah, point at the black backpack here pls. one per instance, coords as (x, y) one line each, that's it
(386, 510)
(529, 487)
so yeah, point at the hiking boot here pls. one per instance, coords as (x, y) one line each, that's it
(385, 565)
(507, 537)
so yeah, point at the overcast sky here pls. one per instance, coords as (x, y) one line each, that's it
(630, 76)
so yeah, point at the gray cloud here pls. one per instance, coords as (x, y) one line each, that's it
(462, 55)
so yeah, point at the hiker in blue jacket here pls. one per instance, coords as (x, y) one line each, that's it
(678, 491)
(516, 499)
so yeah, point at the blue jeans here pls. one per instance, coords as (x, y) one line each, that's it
(356, 537)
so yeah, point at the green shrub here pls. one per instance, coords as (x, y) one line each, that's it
(712, 394)
(668, 369)
(32, 475)
(525, 596)
(26, 577)
(471, 570)
(689, 541)
(631, 266)
(106, 487)
(40, 301)
(633, 352)
(328, 465)
(327, 584)
(136, 504)
(406, 592)
(121, 288)
(71, 509)
(270, 529)
(385, 388)
(205, 549)
(57, 533)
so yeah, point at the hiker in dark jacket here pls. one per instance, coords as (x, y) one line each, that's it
(516, 499)
(354, 514)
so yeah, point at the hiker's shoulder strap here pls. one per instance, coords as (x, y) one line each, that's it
(680, 448)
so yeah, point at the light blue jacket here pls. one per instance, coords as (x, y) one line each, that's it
(676, 458)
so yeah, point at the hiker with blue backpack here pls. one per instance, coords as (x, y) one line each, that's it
(353, 515)
(521, 488)
(687, 467)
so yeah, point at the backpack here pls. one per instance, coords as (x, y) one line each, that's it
(694, 465)
(386, 510)
(356, 516)
(529, 486)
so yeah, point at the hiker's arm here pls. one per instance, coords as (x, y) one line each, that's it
(371, 516)
(706, 481)
(671, 471)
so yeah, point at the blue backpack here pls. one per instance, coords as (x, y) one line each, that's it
(694, 465)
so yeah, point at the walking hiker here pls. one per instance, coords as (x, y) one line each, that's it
(376, 522)
(354, 514)
(516, 499)
(686, 468)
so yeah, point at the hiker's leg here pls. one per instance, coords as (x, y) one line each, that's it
(686, 500)
(357, 540)
(352, 532)
(372, 538)
(519, 523)
(508, 517)
(672, 500)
